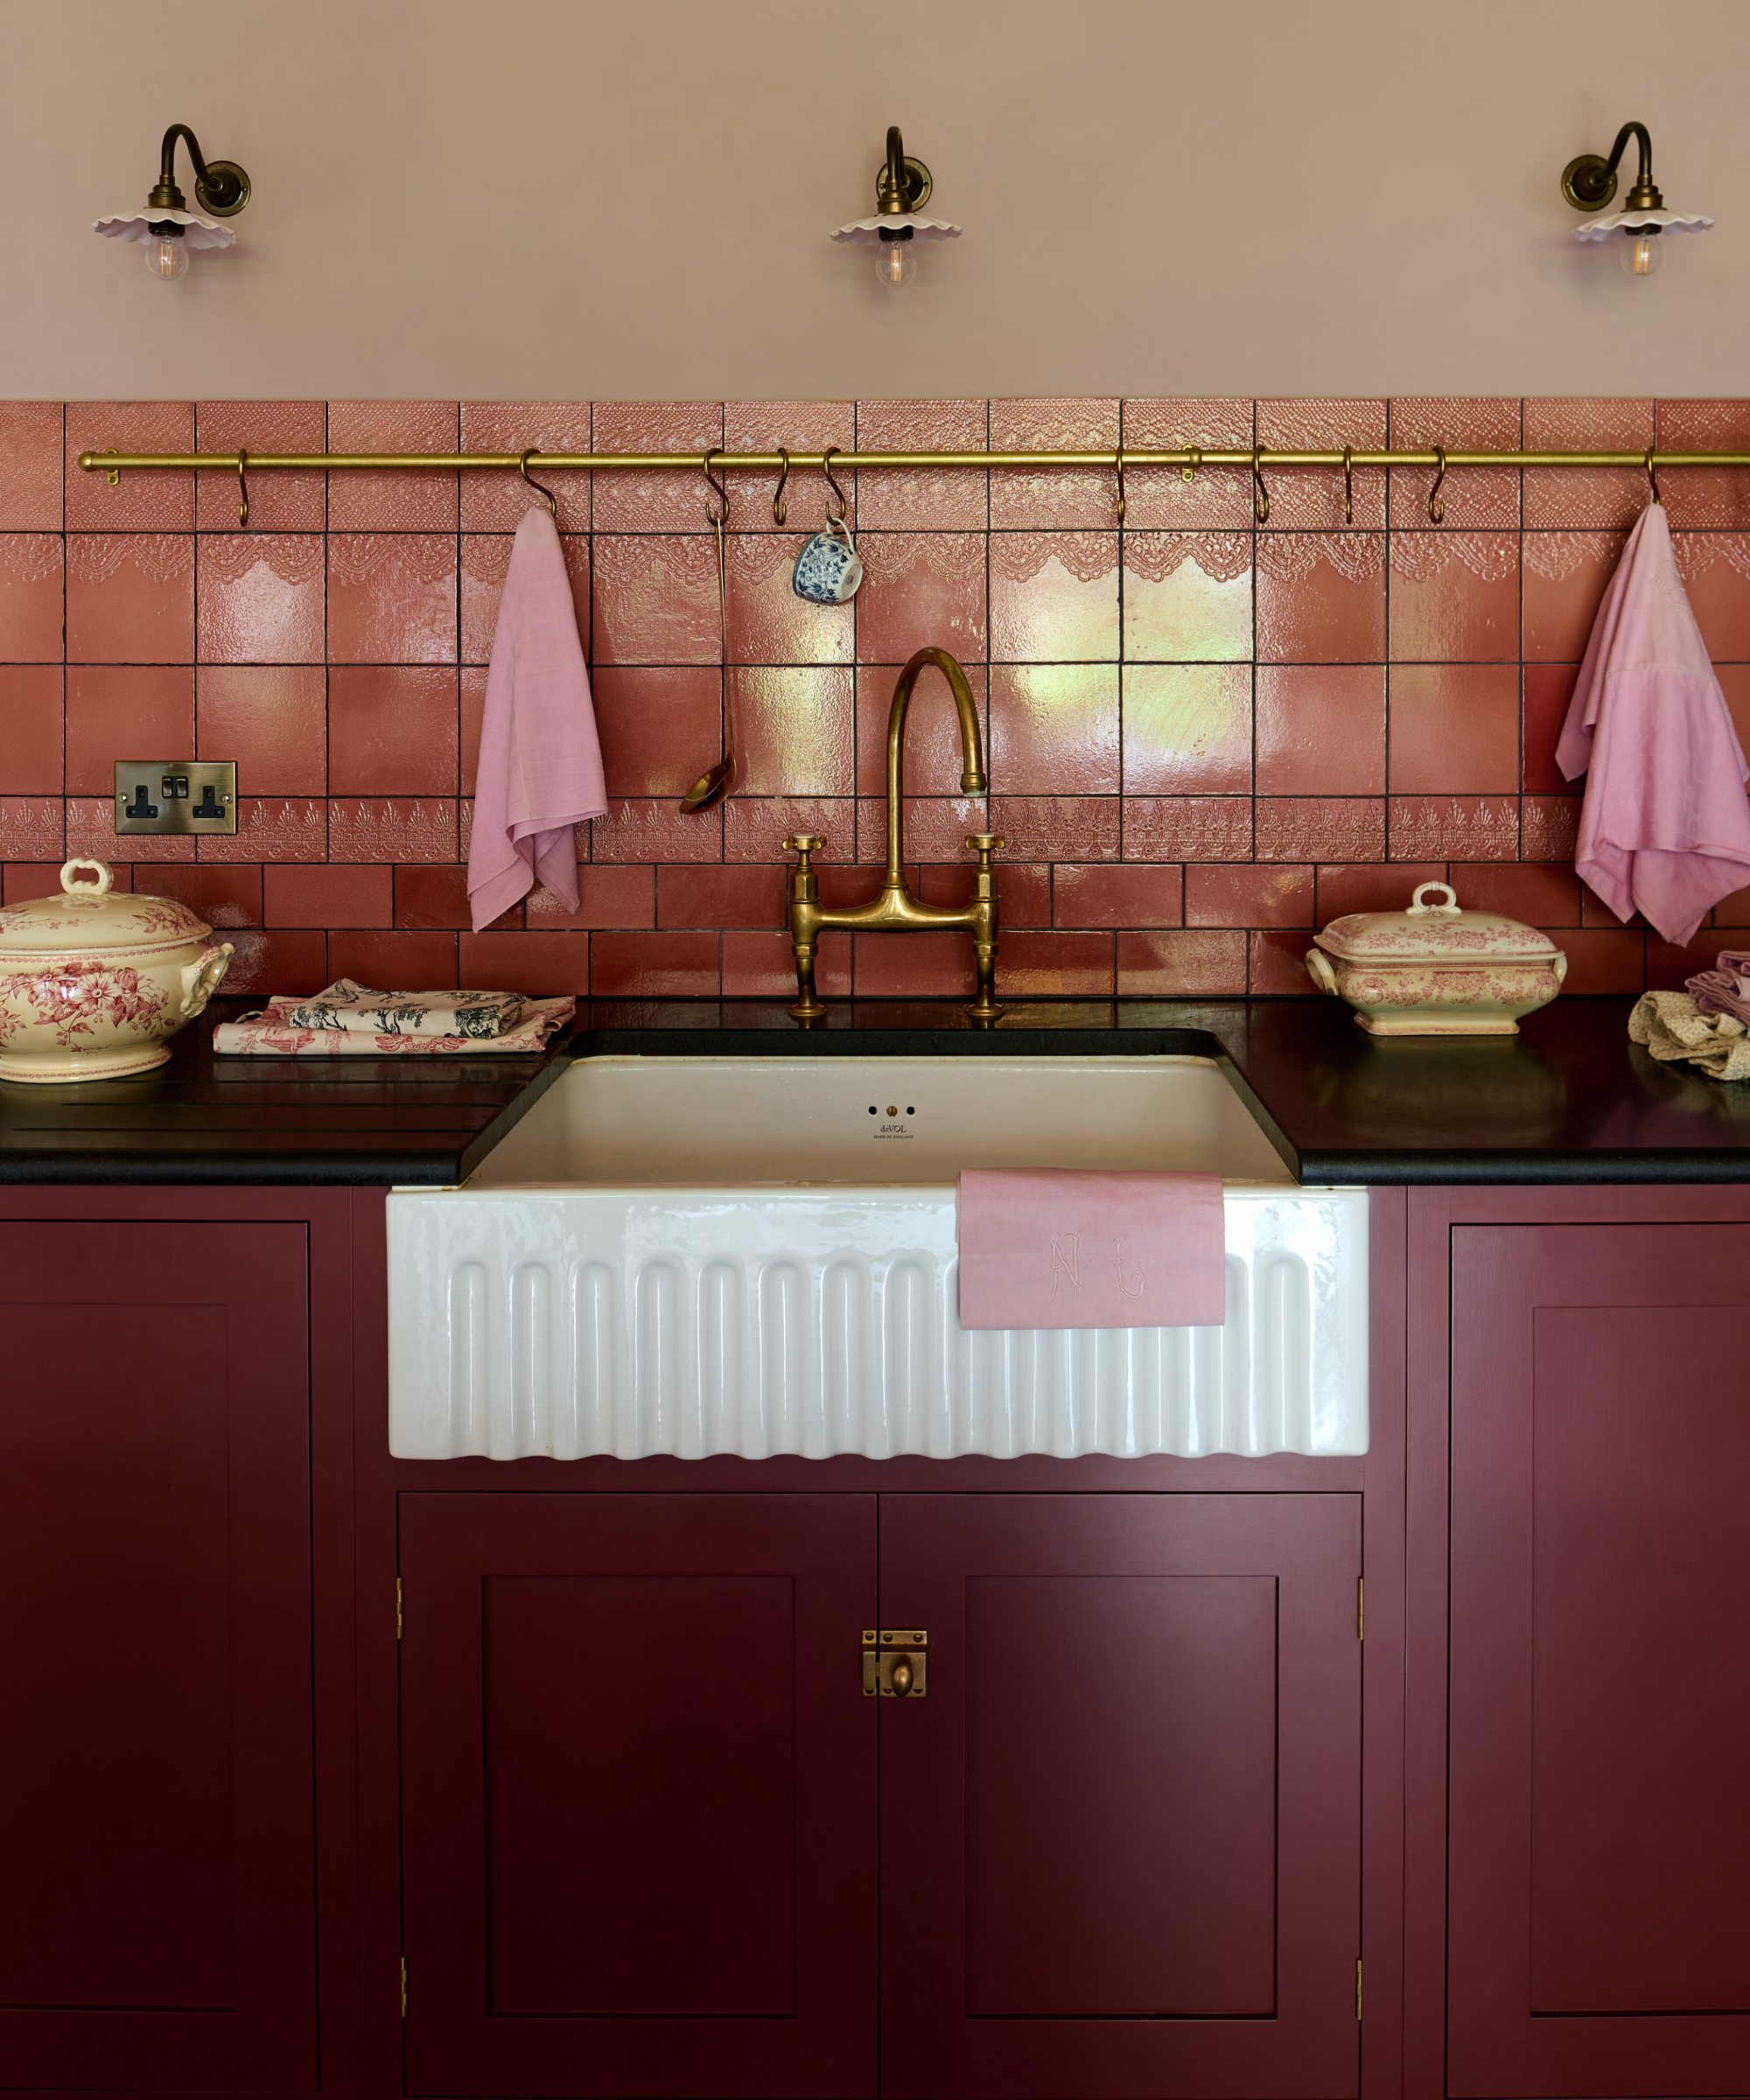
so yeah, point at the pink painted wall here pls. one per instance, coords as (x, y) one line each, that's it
(1205, 740)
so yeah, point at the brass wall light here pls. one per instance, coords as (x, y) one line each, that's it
(902, 188)
(165, 227)
(1589, 183)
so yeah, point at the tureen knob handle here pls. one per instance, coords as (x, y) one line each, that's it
(102, 888)
(1449, 894)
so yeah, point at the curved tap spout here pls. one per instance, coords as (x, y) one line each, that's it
(972, 779)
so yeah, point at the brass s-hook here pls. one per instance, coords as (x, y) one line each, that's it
(1652, 479)
(1348, 486)
(781, 510)
(523, 468)
(1118, 461)
(718, 516)
(1260, 493)
(827, 457)
(243, 489)
(1437, 510)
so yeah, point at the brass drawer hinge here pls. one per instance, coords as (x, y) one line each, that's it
(397, 1608)
(403, 1986)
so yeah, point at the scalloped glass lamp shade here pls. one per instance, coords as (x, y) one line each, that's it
(196, 232)
(923, 228)
(1640, 236)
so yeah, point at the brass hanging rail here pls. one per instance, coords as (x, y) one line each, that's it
(1187, 460)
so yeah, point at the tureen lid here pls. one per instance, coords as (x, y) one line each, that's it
(1440, 931)
(95, 915)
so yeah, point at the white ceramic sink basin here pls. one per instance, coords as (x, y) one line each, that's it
(757, 1256)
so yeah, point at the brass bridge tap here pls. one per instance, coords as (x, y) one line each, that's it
(896, 906)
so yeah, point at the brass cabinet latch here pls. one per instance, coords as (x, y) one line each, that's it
(894, 1663)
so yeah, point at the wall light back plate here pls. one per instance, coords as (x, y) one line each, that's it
(918, 185)
(1588, 182)
(219, 175)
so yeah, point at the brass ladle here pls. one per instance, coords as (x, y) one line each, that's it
(711, 787)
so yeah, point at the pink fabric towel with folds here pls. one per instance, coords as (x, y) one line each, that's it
(540, 769)
(1064, 1248)
(1665, 825)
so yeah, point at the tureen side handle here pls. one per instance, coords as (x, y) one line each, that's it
(200, 978)
(1321, 973)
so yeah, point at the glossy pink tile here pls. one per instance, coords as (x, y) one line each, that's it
(920, 589)
(273, 828)
(494, 501)
(271, 720)
(1537, 893)
(1053, 597)
(1215, 497)
(767, 622)
(33, 727)
(1053, 729)
(932, 760)
(1321, 597)
(660, 500)
(1567, 497)
(1187, 729)
(1188, 828)
(1455, 729)
(395, 962)
(754, 827)
(1275, 961)
(656, 599)
(1320, 729)
(1454, 827)
(1024, 888)
(1548, 826)
(1715, 567)
(655, 966)
(1303, 828)
(392, 827)
(30, 458)
(1058, 827)
(434, 898)
(391, 730)
(1343, 889)
(761, 965)
(1706, 496)
(290, 962)
(1303, 498)
(1566, 575)
(391, 597)
(695, 897)
(262, 597)
(329, 895)
(33, 598)
(1250, 896)
(936, 828)
(1200, 964)
(1116, 896)
(1600, 962)
(473, 690)
(648, 828)
(1055, 965)
(484, 564)
(659, 726)
(608, 897)
(399, 499)
(795, 730)
(124, 711)
(913, 965)
(33, 828)
(922, 499)
(144, 498)
(130, 598)
(1454, 597)
(1481, 496)
(1053, 497)
(799, 426)
(281, 499)
(1188, 597)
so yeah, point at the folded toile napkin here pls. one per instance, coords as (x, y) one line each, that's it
(358, 1010)
(276, 1030)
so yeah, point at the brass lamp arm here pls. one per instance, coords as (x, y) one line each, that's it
(221, 186)
(1589, 181)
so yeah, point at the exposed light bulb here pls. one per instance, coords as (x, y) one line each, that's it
(896, 262)
(1641, 251)
(166, 252)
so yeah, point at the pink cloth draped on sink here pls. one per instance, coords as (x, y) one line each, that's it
(1665, 825)
(540, 768)
(1071, 1248)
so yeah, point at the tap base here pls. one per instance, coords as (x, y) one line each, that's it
(808, 1010)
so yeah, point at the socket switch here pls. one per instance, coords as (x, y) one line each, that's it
(176, 795)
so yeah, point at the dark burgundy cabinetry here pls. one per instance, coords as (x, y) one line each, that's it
(157, 1873)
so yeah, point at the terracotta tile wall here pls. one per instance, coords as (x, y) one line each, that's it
(1205, 738)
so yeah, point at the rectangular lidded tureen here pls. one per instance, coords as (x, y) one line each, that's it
(1435, 970)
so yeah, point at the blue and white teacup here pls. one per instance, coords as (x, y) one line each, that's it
(829, 569)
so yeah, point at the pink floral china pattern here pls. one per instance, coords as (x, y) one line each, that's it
(1436, 969)
(92, 981)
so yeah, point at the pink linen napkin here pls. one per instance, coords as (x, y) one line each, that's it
(540, 769)
(1069, 1248)
(1665, 825)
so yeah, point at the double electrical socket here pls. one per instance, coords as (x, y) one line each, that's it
(176, 795)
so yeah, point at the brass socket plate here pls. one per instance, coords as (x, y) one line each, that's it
(170, 795)
(1588, 182)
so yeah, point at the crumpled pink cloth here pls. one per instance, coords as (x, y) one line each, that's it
(1665, 825)
(540, 769)
(1067, 1247)
(1726, 989)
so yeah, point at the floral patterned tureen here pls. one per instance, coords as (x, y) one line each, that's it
(1435, 970)
(91, 981)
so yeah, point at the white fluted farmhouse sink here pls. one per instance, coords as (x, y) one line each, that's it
(757, 1256)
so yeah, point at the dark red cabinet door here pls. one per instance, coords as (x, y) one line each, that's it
(638, 1794)
(1120, 1832)
(157, 1924)
(1600, 1818)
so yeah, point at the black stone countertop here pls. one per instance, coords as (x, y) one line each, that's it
(1569, 1099)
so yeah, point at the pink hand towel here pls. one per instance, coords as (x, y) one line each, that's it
(540, 769)
(1065, 1248)
(1665, 825)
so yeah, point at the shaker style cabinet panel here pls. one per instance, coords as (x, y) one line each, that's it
(1120, 1831)
(157, 1922)
(638, 1794)
(1599, 1816)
